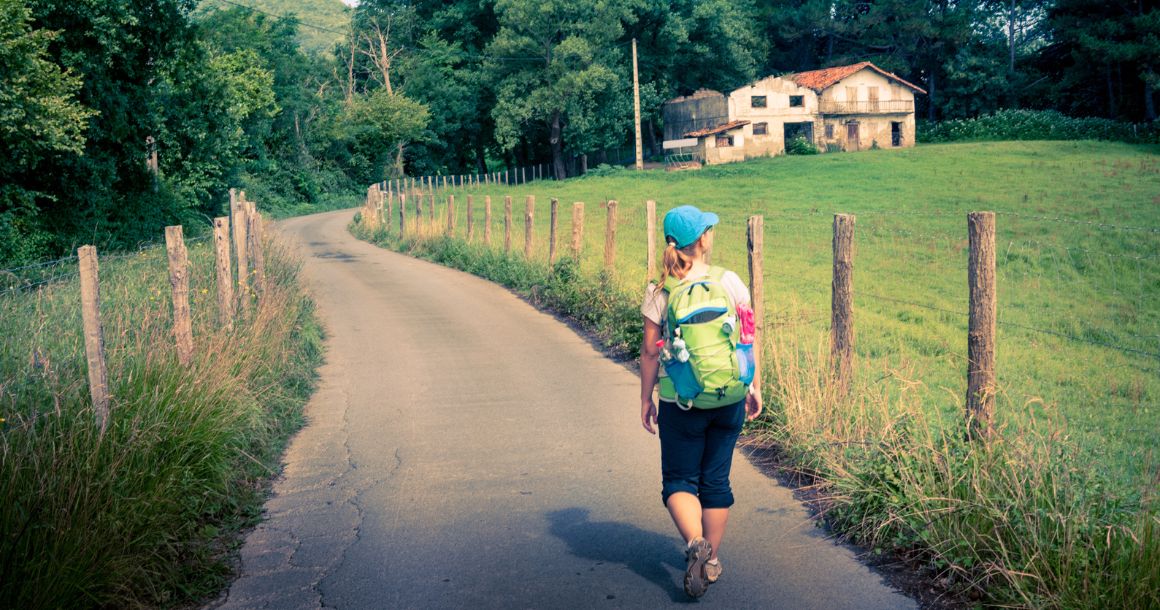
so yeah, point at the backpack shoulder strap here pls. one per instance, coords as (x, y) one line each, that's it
(717, 274)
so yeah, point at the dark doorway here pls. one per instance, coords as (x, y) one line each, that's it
(895, 134)
(852, 139)
(798, 130)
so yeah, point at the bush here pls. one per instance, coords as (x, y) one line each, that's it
(605, 169)
(1036, 125)
(799, 145)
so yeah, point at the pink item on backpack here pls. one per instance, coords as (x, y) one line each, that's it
(748, 326)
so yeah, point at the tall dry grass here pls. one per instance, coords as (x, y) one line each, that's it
(1020, 521)
(142, 516)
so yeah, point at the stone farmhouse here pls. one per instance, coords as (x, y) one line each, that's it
(844, 108)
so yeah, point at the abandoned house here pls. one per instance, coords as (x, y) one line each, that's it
(845, 108)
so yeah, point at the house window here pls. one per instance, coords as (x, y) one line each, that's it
(797, 101)
(724, 141)
(829, 132)
(757, 101)
(760, 129)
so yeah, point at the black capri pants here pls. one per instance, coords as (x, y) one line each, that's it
(697, 451)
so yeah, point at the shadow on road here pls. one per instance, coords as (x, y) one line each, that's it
(648, 554)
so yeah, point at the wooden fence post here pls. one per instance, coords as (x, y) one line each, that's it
(507, 224)
(402, 214)
(94, 335)
(368, 216)
(981, 324)
(389, 212)
(842, 302)
(554, 213)
(610, 237)
(529, 213)
(418, 214)
(450, 214)
(241, 238)
(256, 234)
(756, 245)
(225, 276)
(470, 217)
(524, 175)
(577, 229)
(179, 282)
(380, 203)
(431, 214)
(487, 220)
(650, 223)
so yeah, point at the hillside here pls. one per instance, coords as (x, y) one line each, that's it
(323, 22)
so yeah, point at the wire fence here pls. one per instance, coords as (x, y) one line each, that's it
(44, 274)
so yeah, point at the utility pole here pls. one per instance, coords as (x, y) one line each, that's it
(636, 107)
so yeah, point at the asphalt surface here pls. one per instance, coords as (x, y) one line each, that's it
(465, 450)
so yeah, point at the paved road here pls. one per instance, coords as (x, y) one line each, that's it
(465, 450)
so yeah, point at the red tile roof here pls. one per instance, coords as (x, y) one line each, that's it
(826, 77)
(700, 133)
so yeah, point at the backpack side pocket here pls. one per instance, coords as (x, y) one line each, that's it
(746, 365)
(683, 378)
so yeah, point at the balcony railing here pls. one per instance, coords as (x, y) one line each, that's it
(878, 107)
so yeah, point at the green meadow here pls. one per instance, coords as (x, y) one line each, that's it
(1060, 509)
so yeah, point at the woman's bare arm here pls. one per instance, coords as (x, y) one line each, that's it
(649, 367)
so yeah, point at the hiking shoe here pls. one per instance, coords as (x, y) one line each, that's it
(695, 557)
(712, 571)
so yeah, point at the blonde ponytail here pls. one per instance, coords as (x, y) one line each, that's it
(675, 262)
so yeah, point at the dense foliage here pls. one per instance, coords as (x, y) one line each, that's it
(227, 95)
(1037, 125)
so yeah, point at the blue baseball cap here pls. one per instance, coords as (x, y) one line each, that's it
(686, 224)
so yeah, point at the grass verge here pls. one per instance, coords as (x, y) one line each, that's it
(148, 514)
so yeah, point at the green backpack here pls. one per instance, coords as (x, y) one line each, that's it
(706, 366)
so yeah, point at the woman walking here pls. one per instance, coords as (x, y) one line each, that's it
(695, 347)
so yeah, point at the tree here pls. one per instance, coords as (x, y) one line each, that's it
(374, 125)
(439, 76)
(687, 45)
(559, 71)
(124, 51)
(283, 161)
(39, 118)
(1109, 52)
